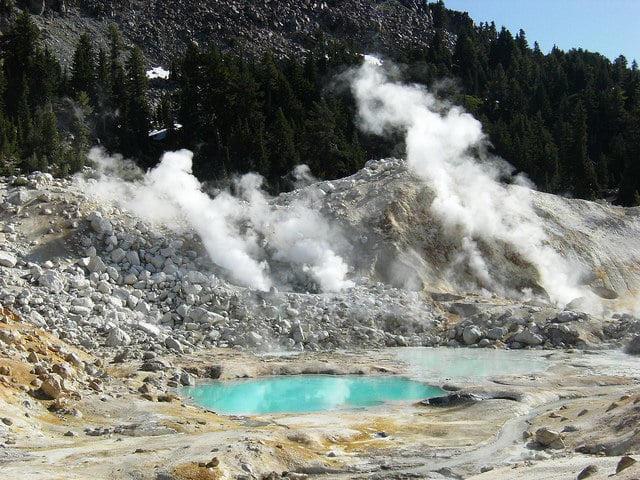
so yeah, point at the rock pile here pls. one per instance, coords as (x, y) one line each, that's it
(121, 284)
(102, 279)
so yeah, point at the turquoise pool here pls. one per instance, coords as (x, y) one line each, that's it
(305, 393)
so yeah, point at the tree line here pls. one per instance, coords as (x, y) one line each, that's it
(569, 120)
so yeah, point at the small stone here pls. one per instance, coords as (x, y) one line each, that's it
(5, 370)
(167, 397)
(624, 463)
(155, 365)
(633, 347)
(69, 433)
(173, 344)
(96, 265)
(549, 438)
(74, 360)
(117, 255)
(9, 336)
(150, 329)
(529, 338)
(186, 379)
(296, 476)
(566, 316)
(7, 421)
(7, 259)
(147, 388)
(53, 386)
(100, 224)
(613, 406)
(213, 463)
(471, 335)
(297, 333)
(117, 338)
(95, 385)
(63, 370)
(52, 282)
(197, 277)
(587, 471)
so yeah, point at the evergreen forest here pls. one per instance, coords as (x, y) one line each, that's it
(569, 120)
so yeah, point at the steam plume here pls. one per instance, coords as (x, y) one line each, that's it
(471, 203)
(243, 234)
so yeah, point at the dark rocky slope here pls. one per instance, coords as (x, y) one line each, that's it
(285, 27)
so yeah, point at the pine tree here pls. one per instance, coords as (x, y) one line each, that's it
(18, 47)
(83, 68)
(283, 153)
(136, 111)
(585, 180)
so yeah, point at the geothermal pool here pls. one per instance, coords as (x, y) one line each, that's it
(422, 367)
(306, 393)
(442, 363)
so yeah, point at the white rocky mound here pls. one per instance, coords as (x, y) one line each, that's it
(101, 278)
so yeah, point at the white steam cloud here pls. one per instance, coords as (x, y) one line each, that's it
(474, 207)
(244, 234)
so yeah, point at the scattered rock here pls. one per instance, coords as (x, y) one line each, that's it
(7, 259)
(451, 400)
(633, 347)
(155, 365)
(173, 344)
(549, 438)
(51, 281)
(471, 334)
(624, 463)
(529, 338)
(117, 338)
(53, 387)
(587, 471)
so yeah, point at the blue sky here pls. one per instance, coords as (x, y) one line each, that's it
(610, 27)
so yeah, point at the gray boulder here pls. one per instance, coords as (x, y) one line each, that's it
(52, 281)
(53, 386)
(7, 259)
(526, 337)
(549, 438)
(633, 347)
(117, 338)
(100, 224)
(471, 334)
(117, 255)
(96, 265)
(173, 344)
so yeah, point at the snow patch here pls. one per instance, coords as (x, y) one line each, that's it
(158, 72)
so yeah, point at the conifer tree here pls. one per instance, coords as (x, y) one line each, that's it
(83, 68)
(18, 47)
(136, 109)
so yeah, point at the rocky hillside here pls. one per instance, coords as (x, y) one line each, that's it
(283, 27)
(102, 278)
